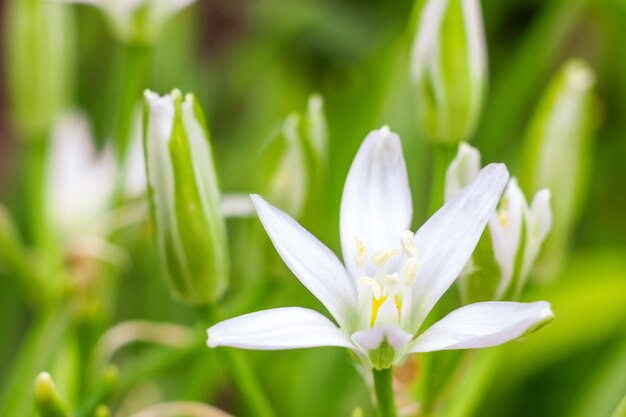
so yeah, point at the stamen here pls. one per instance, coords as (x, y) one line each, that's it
(503, 217)
(359, 257)
(408, 244)
(376, 304)
(410, 270)
(371, 282)
(383, 256)
(398, 300)
(391, 285)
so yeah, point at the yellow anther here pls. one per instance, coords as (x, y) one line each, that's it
(383, 256)
(359, 257)
(408, 244)
(375, 287)
(503, 217)
(391, 284)
(410, 270)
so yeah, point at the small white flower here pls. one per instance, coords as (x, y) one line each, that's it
(391, 278)
(515, 228)
(82, 179)
(137, 20)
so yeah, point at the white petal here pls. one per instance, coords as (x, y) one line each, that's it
(541, 215)
(503, 254)
(514, 209)
(516, 205)
(539, 223)
(371, 339)
(311, 261)
(426, 37)
(446, 241)
(276, 329)
(81, 180)
(376, 204)
(482, 325)
(462, 170)
(135, 180)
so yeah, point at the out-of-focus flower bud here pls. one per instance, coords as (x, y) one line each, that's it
(511, 242)
(284, 169)
(39, 63)
(294, 163)
(49, 404)
(185, 198)
(137, 21)
(314, 131)
(448, 68)
(557, 151)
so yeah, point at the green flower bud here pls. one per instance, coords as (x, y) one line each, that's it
(284, 175)
(39, 62)
(557, 151)
(137, 21)
(185, 197)
(294, 163)
(448, 68)
(47, 398)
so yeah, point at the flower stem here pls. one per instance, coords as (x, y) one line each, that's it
(443, 154)
(240, 370)
(383, 385)
(135, 66)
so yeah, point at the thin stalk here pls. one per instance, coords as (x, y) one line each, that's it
(35, 191)
(383, 385)
(240, 370)
(135, 67)
(443, 154)
(35, 356)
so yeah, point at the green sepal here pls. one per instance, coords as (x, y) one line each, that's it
(481, 283)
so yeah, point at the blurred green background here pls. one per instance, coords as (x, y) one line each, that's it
(250, 64)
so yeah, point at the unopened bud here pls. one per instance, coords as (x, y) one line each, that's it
(185, 197)
(49, 404)
(448, 68)
(557, 152)
(39, 64)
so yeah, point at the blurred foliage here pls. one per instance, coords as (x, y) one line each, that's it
(251, 64)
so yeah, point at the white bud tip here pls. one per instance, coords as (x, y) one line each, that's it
(580, 76)
(384, 131)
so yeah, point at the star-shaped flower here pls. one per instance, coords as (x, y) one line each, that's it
(391, 278)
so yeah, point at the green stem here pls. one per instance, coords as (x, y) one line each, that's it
(383, 385)
(240, 370)
(135, 67)
(36, 224)
(443, 154)
(36, 354)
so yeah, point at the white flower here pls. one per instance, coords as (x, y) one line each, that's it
(137, 20)
(515, 228)
(82, 181)
(392, 278)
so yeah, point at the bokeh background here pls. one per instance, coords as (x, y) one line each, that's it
(253, 62)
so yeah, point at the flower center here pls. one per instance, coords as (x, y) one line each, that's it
(384, 284)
